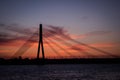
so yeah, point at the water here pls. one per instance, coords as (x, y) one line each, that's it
(60, 72)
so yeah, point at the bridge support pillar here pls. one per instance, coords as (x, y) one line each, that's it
(40, 43)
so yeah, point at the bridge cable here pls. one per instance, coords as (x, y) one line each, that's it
(69, 44)
(24, 47)
(99, 50)
(60, 47)
(52, 48)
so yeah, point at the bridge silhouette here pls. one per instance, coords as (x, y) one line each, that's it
(64, 40)
(57, 40)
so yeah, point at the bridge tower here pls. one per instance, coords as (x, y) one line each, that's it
(40, 43)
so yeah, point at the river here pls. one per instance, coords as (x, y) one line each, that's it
(60, 72)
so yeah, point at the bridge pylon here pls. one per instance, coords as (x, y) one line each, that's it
(40, 43)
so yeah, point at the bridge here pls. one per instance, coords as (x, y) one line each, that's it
(64, 40)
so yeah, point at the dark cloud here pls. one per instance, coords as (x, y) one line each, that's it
(6, 37)
(9, 33)
(16, 32)
(16, 28)
(55, 30)
(77, 48)
(2, 25)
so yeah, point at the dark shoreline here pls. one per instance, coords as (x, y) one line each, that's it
(59, 61)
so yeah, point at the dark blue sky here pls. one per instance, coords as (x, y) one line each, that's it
(61, 12)
(79, 16)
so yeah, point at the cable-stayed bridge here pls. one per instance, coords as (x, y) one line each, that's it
(63, 39)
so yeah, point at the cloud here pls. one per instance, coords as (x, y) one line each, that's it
(10, 34)
(89, 34)
(16, 32)
(55, 30)
(104, 45)
(77, 48)
(95, 33)
(16, 28)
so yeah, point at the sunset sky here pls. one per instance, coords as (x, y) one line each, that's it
(66, 25)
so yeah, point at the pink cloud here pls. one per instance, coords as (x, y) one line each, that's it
(104, 45)
(89, 34)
